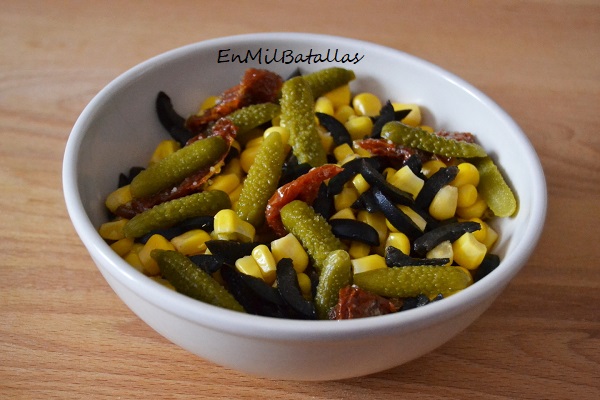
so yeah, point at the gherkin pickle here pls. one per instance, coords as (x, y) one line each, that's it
(192, 281)
(298, 115)
(325, 80)
(312, 230)
(262, 179)
(494, 189)
(412, 281)
(172, 169)
(336, 274)
(247, 118)
(171, 212)
(411, 136)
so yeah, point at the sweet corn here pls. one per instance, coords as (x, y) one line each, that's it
(283, 131)
(255, 142)
(359, 249)
(119, 197)
(481, 233)
(342, 152)
(132, 258)
(431, 167)
(209, 102)
(377, 221)
(468, 251)
(467, 195)
(150, 267)
(366, 104)
(344, 213)
(476, 210)
(467, 173)
(163, 149)
(405, 179)
(305, 285)
(427, 128)
(360, 184)
(345, 198)
(490, 237)
(266, 262)
(290, 247)
(247, 265)
(359, 127)
(344, 113)
(191, 242)
(340, 96)
(113, 230)
(247, 157)
(443, 205)
(234, 196)
(122, 246)
(414, 117)
(368, 263)
(398, 240)
(225, 182)
(324, 105)
(234, 166)
(228, 226)
(326, 139)
(442, 250)
(416, 218)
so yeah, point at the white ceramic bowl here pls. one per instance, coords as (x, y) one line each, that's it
(119, 129)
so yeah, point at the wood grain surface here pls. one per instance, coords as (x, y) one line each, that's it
(63, 332)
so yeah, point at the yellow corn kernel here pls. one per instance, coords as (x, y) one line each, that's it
(283, 131)
(225, 182)
(405, 179)
(468, 251)
(344, 113)
(234, 195)
(388, 173)
(467, 173)
(398, 240)
(113, 230)
(431, 167)
(234, 166)
(443, 205)
(442, 250)
(255, 142)
(340, 96)
(366, 104)
(467, 195)
(360, 184)
(155, 242)
(344, 213)
(326, 139)
(324, 105)
(163, 149)
(359, 127)
(359, 249)
(289, 247)
(414, 117)
(368, 263)
(132, 258)
(427, 128)
(342, 152)
(305, 285)
(377, 221)
(345, 198)
(481, 233)
(191, 242)
(118, 198)
(209, 102)
(247, 157)
(122, 246)
(163, 282)
(490, 237)
(228, 226)
(416, 217)
(266, 262)
(474, 211)
(364, 153)
(247, 265)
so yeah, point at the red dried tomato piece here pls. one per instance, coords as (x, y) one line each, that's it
(355, 302)
(384, 148)
(304, 188)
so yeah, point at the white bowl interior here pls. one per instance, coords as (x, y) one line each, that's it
(119, 129)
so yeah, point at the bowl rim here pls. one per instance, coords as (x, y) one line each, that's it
(284, 329)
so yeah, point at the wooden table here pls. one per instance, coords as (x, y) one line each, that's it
(65, 334)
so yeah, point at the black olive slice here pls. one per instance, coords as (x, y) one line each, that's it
(376, 179)
(230, 251)
(450, 231)
(433, 185)
(352, 229)
(338, 131)
(396, 258)
(386, 114)
(287, 285)
(395, 216)
(171, 120)
(489, 263)
(207, 262)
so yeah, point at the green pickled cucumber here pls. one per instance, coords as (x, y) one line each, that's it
(171, 212)
(247, 118)
(418, 138)
(192, 281)
(312, 230)
(412, 281)
(494, 189)
(172, 169)
(325, 80)
(262, 179)
(336, 274)
(298, 116)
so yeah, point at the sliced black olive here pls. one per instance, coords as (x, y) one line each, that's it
(396, 258)
(336, 128)
(433, 185)
(229, 250)
(401, 114)
(204, 223)
(415, 164)
(489, 263)
(125, 179)
(450, 231)
(207, 262)
(292, 170)
(324, 203)
(386, 114)
(352, 229)
(171, 120)
(287, 285)
(395, 216)
(414, 302)
(376, 179)
(351, 168)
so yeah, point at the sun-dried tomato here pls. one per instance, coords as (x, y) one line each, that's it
(355, 302)
(384, 148)
(257, 86)
(304, 188)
